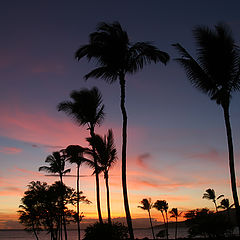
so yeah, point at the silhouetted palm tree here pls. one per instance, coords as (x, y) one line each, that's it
(116, 57)
(224, 204)
(106, 157)
(147, 205)
(86, 108)
(162, 206)
(74, 154)
(216, 72)
(175, 214)
(210, 195)
(57, 165)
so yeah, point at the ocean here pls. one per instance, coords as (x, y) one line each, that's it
(72, 234)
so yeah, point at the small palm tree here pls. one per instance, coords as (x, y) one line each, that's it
(74, 154)
(216, 72)
(175, 214)
(56, 163)
(106, 158)
(147, 205)
(162, 206)
(86, 108)
(210, 195)
(224, 204)
(115, 57)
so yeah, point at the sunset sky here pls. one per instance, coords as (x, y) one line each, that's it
(176, 136)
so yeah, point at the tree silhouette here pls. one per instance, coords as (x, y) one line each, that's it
(106, 158)
(74, 154)
(42, 207)
(147, 205)
(56, 163)
(162, 206)
(175, 214)
(224, 204)
(216, 72)
(207, 224)
(210, 195)
(86, 108)
(116, 57)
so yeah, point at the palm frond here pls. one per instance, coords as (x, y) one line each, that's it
(106, 73)
(85, 108)
(220, 196)
(197, 76)
(143, 53)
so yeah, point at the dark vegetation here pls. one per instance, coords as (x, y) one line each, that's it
(216, 72)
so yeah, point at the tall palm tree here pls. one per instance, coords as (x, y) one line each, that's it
(210, 195)
(86, 108)
(106, 156)
(56, 163)
(216, 72)
(147, 205)
(175, 214)
(116, 57)
(162, 206)
(74, 154)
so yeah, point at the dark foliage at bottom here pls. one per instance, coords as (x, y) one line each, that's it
(106, 231)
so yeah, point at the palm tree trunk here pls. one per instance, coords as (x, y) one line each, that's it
(63, 213)
(124, 160)
(78, 199)
(108, 199)
(164, 221)
(176, 229)
(215, 205)
(34, 231)
(231, 164)
(166, 224)
(96, 175)
(150, 219)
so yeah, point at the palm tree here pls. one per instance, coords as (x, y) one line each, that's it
(106, 157)
(74, 154)
(116, 57)
(224, 204)
(175, 214)
(86, 108)
(147, 205)
(56, 163)
(216, 72)
(210, 195)
(162, 206)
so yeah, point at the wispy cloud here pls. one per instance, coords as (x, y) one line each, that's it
(10, 150)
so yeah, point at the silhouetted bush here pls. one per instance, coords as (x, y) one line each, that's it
(106, 231)
(202, 222)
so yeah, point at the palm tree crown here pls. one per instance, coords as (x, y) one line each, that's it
(161, 205)
(114, 53)
(217, 68)
(146, 204)
(85, 108)
(74, 154)
(105, 151)
(56, 164)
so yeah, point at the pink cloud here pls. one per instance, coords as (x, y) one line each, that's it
(52, 132)
(10, 191)
(10, 150)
